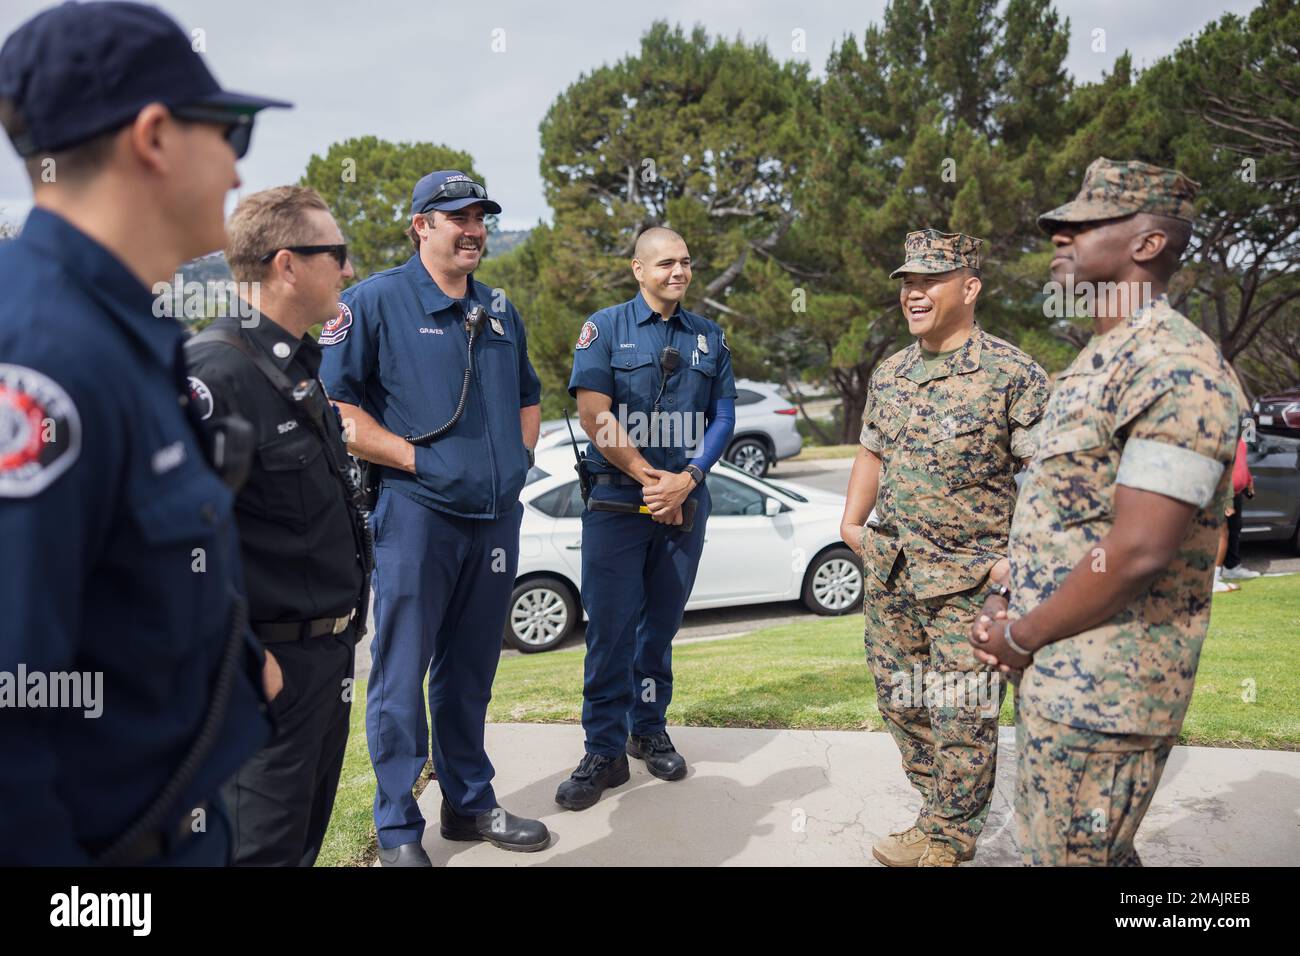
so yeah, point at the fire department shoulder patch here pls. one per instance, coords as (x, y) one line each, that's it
(40, 431)
(336, 329)
(587, 335)
(201, 396)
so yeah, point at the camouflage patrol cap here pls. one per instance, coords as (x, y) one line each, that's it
(931, 251)
(1113, 189)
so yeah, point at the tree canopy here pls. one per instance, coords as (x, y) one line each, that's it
(795, 194)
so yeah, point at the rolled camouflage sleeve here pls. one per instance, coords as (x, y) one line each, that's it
(1026, 410)
(1180, 420)
(870, 437)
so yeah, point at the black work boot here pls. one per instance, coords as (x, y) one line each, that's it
(660, 756)
(594, 775)
(498, 827)
(408, 854)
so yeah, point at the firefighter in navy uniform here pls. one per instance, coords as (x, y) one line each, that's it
(116, 536)
(638, 571)
(451, 443)
(301, 526)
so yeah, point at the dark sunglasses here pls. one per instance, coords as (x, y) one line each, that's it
(339, 252)
(458, 189)
(238, 126)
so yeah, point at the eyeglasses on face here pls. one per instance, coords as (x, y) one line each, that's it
(339, 251)
(238, 130)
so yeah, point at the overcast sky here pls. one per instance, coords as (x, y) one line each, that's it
(420, 70)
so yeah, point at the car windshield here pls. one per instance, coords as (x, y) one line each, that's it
(765, 483)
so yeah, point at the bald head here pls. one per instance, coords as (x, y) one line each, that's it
(662, 266)
(648, 243)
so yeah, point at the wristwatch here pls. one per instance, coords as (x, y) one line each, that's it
(532, 456)
(695, 473)
(1001, 590)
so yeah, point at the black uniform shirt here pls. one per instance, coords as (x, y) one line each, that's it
(300, 552)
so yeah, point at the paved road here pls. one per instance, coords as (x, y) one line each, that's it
(831, 474)
(1270, 557)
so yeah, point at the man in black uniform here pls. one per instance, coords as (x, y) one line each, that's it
(302, 532)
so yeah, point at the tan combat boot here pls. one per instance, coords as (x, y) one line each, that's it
(938, 853)
(901, 849)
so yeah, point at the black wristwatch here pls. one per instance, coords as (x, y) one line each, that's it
(1001, 590)
(532, 456)
(695, 473)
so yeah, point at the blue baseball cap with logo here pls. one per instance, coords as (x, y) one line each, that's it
(81, 69)
(448, 190)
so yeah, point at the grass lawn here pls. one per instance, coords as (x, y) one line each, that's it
(812, 675)
(1253, 650)
(350, 840)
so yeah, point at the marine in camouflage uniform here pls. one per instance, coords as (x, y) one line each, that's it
(1152, 405)
(950, 433)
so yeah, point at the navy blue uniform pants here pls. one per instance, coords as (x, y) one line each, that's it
(636, 577)
(442, 591)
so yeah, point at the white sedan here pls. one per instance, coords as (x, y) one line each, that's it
(766, 542)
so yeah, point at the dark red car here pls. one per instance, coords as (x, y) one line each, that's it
(1279, 414)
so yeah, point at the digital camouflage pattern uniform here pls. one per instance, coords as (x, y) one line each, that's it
(950, 442)
(1150, 404)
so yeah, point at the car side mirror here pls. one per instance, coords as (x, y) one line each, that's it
(771, 507)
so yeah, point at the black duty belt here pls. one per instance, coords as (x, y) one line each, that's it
(689, 507)
(282, 633)
(619, 481)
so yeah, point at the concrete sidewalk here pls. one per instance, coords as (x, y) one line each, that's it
(819, 798)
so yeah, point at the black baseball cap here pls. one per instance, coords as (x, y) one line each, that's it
(81, 69)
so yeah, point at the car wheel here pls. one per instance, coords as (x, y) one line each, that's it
(542, 614)
(750, 455)
(833, 584)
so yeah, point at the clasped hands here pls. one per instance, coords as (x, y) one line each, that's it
(665, 494)
(986, 637)
(988, 630)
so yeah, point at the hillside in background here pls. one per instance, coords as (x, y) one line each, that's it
(211, 268)
(503, 240)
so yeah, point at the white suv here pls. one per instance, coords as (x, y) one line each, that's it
(765, 428)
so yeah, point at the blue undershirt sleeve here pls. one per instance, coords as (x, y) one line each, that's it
(717, 434)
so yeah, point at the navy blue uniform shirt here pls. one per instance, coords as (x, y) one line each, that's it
(118, 551)
(618, 355)
(397, 350)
